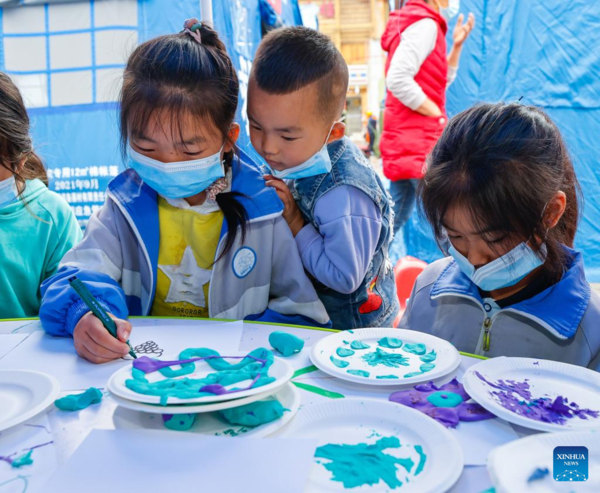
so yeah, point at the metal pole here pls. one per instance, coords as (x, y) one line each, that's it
(206, 11)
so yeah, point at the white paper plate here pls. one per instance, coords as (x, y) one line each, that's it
(188, 408)
(24, 394)
(213, 423)
(546, 379)
(448, 358)
(281, 370)
(512, 464)
(353, 421)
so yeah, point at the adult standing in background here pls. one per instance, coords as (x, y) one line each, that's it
(417, 75)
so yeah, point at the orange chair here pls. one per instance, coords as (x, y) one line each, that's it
(406, 272)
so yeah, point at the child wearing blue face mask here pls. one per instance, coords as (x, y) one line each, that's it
(190, 229)
(37, 227)
(335, 204)
(502, 197)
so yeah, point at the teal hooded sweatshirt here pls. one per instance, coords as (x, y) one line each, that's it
(36, 231)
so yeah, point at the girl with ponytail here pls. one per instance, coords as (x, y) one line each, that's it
(37, 227)
(189, 229)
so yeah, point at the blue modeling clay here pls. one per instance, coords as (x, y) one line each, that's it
(77, 402)
(343, 352)
(255, 413)
(179, 422)
(286, 344)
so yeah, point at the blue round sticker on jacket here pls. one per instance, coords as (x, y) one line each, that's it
(243, 262)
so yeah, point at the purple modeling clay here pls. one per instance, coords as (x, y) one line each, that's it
(516, 397)
(446, 404)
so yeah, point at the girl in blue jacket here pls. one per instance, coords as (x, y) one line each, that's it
(190, 228)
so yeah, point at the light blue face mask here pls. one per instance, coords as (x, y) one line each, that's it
(451, 10)
(505, 271)
(179, 179)
(8, 191)
(318, 164)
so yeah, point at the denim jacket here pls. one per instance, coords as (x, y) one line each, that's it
(375, 302)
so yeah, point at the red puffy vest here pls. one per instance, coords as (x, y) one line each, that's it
(408, 136)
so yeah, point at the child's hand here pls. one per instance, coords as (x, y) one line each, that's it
(94, 343)
(291, 213)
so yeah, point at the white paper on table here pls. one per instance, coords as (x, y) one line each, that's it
(152, 460)
(478, 438)
(17, 441)
(10, 341)
(56, 356)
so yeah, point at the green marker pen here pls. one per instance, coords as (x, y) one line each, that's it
(96, 309)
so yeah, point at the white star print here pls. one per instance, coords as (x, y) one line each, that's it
(187, 280)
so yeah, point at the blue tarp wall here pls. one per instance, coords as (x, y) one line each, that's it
(548, 53)
(60, 54)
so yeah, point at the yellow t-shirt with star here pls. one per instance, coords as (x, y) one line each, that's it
(186, 252)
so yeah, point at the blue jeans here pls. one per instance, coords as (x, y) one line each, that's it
(403, 194)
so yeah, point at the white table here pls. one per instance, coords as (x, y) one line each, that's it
(70, 429)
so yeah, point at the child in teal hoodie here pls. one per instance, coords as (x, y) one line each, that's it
(37, 227)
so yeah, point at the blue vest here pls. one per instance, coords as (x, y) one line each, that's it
(375, 302)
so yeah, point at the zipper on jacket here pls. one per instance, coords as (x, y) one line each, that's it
(487, 326)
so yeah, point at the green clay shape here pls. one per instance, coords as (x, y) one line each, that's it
(445, 399)
(359, 373)
(343, 352)
(381, 357)
(359, 345)
(254, 414)
(429, 357)
(77, 402)
(24, 460)
(416, 348)
(286, 344)
(390, 342)
(179, 422)
(338, 362)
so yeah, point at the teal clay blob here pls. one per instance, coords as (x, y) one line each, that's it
(362, 464)
(77, 402)
(425, 367)
(422, 460)
(338, 362)
(390, 342)
(416, 348)
(255, 413)
(179, 422)
(381, 357)
(359, 373)
(445, 399)
(342, 352)
(286, 344)
(383, 377)
(346, 342)
(24, 460)
(359, 345)
(189, 388)
(429, 357)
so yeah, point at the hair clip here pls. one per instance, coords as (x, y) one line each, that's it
(192, 27)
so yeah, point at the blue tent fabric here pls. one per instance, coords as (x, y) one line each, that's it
(79, 143)
(545, 52)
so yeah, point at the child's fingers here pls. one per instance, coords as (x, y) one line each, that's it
(123, 329)
(272, 178)
(460, 20)
(96, 354)
(100, 336)
(278, 185)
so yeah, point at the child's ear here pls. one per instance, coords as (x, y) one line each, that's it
(232, 137)
(337, 132)
(555, 209)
